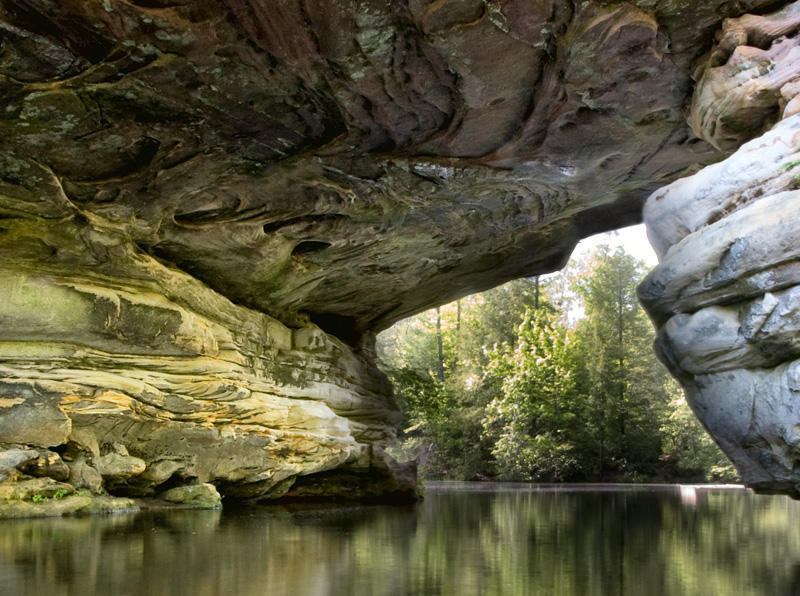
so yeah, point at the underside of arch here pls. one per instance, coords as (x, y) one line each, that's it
(209, 208)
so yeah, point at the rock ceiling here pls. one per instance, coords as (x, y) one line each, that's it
(351, 161)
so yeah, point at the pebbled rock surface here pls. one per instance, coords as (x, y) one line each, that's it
(208, 208)
(726, 294)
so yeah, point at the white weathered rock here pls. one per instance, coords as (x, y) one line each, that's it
(726, 294)
(752, 414)
(765, 166)
(748, 253)
(759, 333)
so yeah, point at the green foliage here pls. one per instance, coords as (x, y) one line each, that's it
(545, 381)
(529, 421)
(791, 164)
(623, 383)
(438, 431)
(424, 398)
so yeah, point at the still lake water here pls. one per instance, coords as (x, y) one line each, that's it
(463, 540)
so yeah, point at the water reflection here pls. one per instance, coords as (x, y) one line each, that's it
(463, 540)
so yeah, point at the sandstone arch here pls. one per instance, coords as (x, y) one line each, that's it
(208, 209)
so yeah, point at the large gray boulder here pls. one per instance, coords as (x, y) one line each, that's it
(726, 293)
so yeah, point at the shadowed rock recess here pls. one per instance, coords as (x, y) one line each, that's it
(208, 209)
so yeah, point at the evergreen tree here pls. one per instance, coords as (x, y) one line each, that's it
(623, 381)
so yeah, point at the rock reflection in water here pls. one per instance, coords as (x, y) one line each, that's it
(462, 540)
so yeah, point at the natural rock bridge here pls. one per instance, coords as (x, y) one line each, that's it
(209, 208)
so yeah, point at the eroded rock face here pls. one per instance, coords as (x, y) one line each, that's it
(208, 208)
(142, 377)
(726, 294)
(335, 158)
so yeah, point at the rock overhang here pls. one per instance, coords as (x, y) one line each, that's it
(355, 161)
(193, 193)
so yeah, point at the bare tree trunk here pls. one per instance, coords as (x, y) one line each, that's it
(439, 341)
(623, 408)
(457, 339)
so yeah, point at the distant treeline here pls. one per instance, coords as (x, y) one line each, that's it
(549, 380)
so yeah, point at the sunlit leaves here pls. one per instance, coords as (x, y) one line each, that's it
(549, 379)
(529, 419)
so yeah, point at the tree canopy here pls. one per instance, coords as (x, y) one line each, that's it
(546, 380)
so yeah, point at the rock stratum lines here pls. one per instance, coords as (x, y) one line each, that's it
(209, 208)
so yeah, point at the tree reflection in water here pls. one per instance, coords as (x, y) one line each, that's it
(462, 540)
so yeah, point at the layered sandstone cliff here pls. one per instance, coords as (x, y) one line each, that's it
(208, 209)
